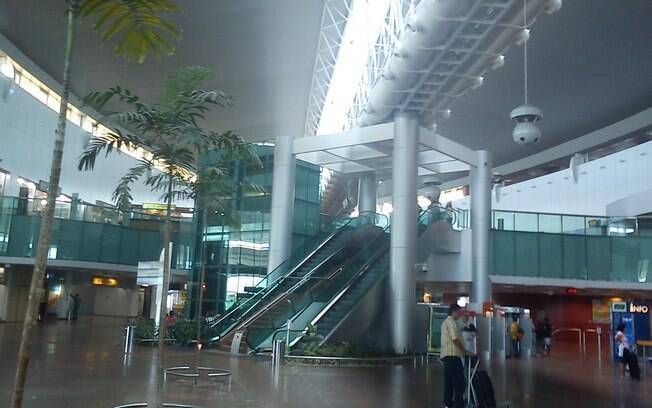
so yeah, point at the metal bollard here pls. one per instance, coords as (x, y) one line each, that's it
(129, 339)
(278, 352)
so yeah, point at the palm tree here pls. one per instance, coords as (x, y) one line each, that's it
(170, 132)
(139, 32)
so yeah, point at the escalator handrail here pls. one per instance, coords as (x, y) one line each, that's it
(294, 287)
(382, 251)
(307, 278)
(277, 282)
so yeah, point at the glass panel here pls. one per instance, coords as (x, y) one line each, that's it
(550, 223)
(526, 222)
(110, 251)
(503, 242)
(625, 259)
(526, 254)
(503, 221)
(572, 224)
(645, 262)
(91, 245)
(550, 256)
(129, 247)
(597, 225)
(598, 257)
(68, 237)
(574, 257)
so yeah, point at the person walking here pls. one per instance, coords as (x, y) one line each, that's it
(546, 330)
(622, 348)
(452, 352)
(514, 334)
(76, 303)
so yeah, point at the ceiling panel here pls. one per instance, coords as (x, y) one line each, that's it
(447, 167)
(358, 152)
(432, 156)
(320, 158)
(348, 167)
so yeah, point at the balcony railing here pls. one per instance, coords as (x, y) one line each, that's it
(572, 256)
(91, 233)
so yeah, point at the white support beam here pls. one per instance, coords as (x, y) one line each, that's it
(347, 138)
(635, 123)
(446, 146)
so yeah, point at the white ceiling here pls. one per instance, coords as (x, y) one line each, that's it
(262, 52)
(590, 66)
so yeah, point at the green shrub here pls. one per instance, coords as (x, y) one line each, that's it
(184, 331)
(145, 329)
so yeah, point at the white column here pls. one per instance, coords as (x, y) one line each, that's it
(402, 284)
(481, 177)
(367, 192)
(282, 202)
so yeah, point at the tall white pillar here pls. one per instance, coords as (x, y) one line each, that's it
(402, 283)
(367, 192)
(280, 240)
(481, 177)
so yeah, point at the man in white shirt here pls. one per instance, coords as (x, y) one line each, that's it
(452, 351)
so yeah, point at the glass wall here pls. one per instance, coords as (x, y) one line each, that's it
(84, 232)
(572, 255)
(237, 256)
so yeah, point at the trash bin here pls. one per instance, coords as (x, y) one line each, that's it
(278, 352)
(129, 338)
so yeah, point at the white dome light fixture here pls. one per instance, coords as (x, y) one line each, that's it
(526, 132)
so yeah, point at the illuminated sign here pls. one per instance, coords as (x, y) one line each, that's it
(101, 281)
(157, 207)
(633, 308)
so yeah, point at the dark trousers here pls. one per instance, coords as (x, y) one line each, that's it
(516, 348)
(454, 382)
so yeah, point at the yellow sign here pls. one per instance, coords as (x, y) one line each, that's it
(100, 281)
(157, 206)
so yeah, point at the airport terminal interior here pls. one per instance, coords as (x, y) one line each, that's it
(325, 203)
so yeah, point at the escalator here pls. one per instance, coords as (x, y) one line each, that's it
(343, 304)
(349, 235)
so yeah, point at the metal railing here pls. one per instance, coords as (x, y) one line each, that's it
(285, 270)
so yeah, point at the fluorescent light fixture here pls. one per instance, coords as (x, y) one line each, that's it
(7, 68)
(365, 24)
(247, 245)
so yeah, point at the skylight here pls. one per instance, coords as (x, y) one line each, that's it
(365, 24)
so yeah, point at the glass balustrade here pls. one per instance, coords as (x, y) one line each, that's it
(572, 255)
(85, 232)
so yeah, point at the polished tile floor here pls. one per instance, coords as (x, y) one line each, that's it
(82, 365)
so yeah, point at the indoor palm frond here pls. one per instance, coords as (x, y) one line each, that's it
(136, 25)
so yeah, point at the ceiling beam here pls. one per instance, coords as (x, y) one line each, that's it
(446, 146)
(347, 138)
(632, 124)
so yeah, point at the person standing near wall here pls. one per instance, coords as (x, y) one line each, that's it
(452, 352)
(546, 329)
(515, 334)
(622, 348)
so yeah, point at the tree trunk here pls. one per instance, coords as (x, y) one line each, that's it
(162, 326)
(40, 263)
(202, 277)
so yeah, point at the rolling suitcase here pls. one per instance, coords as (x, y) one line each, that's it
(634, 370)
(483, 390)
